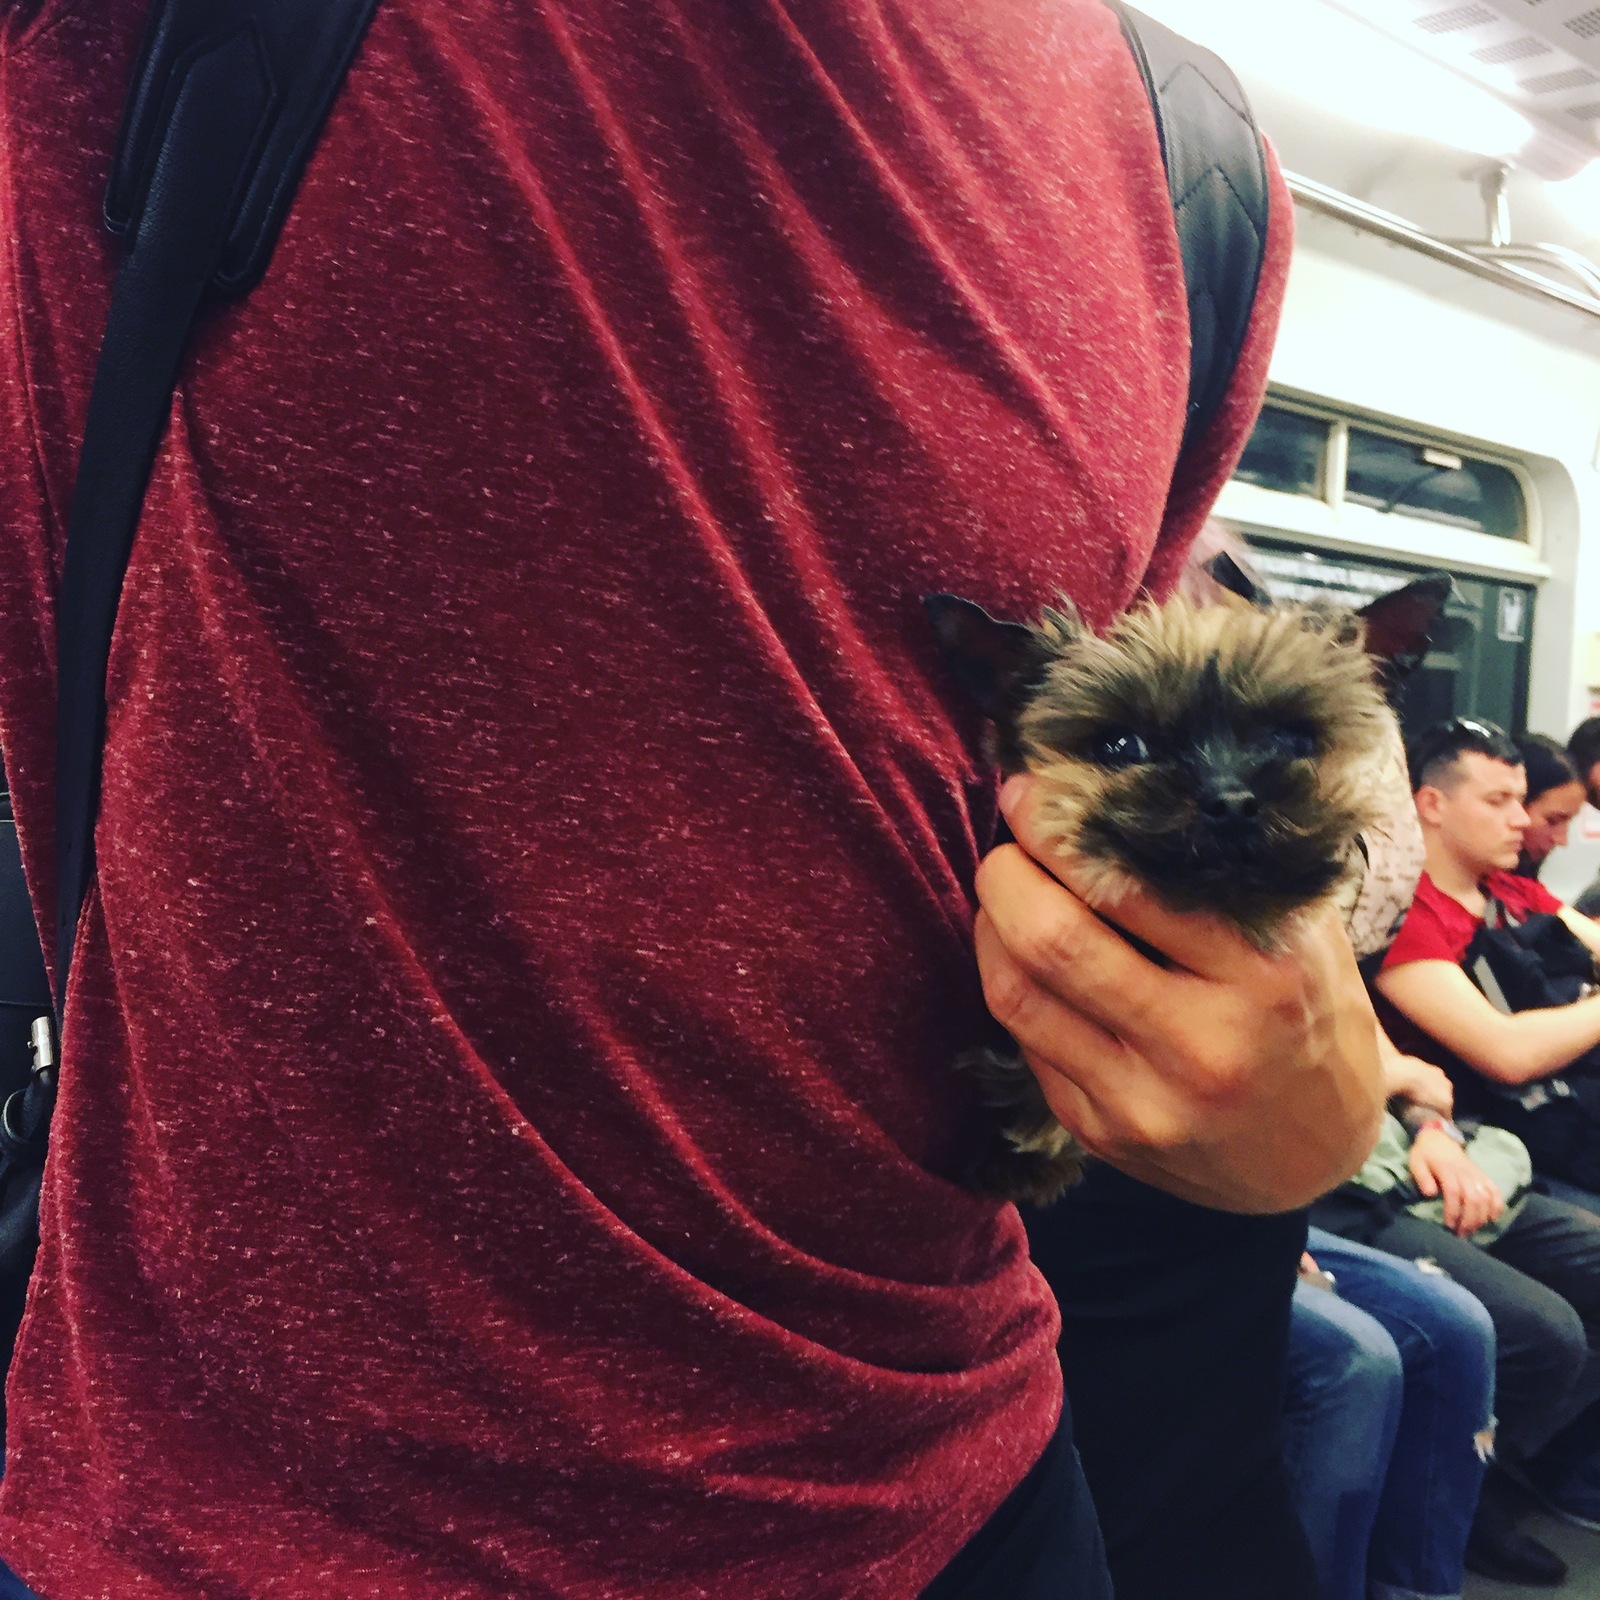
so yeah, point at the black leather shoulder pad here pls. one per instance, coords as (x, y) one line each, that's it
(1217, 177)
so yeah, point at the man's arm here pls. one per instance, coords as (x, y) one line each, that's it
(1440, 998)
(1235, 1079)
(1410, 1078)
(1584, 928)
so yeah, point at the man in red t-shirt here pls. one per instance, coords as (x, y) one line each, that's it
(1470, 787)
(1540, 1278)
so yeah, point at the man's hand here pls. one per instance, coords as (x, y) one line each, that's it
(1411, 1078)
(1235, 1079)
(1439, 1166)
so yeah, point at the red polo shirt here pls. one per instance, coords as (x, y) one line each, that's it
(507, 1130)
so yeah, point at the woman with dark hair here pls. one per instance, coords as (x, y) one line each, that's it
(1555, 797)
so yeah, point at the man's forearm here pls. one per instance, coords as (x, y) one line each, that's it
(1528, 1045)
(1538, 1043)
(1520, 1048)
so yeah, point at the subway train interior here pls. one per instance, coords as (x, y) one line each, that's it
(1435, 392)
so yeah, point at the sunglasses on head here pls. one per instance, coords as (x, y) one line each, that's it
(1477, 727)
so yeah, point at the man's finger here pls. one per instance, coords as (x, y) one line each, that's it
(1454, 1200)
(1067, 950)
(1064, 1042)
(1197, 941)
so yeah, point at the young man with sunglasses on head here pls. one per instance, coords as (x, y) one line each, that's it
(1470, 786)
(1540, 1280)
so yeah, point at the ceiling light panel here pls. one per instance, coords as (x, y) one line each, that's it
(1542, 56)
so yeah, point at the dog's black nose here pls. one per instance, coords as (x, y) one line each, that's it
(1229, 808)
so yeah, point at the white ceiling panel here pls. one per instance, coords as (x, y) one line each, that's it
(1542, 56)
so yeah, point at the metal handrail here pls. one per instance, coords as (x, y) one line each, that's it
(1319, 197)
(1560, 257)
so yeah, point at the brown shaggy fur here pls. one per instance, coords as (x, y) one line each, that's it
(1202, 686)
(1276, 709)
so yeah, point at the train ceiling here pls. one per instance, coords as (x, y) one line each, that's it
(1540, 56)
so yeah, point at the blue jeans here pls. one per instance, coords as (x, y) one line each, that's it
(1391, 1390)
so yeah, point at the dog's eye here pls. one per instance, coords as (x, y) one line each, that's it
(1295, 741)
(1118, 747)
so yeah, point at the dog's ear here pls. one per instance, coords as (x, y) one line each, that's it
(1227, 572)
(994, 660)
(1399, 624)
(1061, 625)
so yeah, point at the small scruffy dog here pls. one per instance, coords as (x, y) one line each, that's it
(1225, 757)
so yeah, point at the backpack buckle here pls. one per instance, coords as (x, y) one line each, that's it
(42, 1041)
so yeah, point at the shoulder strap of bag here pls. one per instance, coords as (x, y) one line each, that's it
(1217, 177)
(227, 100)
(226, 103)
(1482, 972)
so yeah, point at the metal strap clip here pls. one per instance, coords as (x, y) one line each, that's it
(43, 1042)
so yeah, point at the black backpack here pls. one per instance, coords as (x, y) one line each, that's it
(1532, 966)
(227, 101)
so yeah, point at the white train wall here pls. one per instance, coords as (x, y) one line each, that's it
(1376, 333)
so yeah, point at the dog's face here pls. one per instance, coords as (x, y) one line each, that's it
(1222, 756)
(1226, 757)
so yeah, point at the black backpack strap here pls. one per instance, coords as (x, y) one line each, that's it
(227, 101)
(1217, 177)
(1479, 970)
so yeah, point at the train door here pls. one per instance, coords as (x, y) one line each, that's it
(1478, 664)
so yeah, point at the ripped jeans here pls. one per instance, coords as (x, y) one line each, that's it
(1390, 1399)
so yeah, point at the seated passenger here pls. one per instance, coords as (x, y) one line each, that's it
(1538, 1277)
(1555, 796)
(1583, 748)
(1388, 1421)
(1469, 787)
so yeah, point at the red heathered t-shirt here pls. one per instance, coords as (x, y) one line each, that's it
(1439, 928)
(507, 1116)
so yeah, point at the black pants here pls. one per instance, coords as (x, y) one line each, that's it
(1540, 1284)
(1042, 1544)
(1175, 1328)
